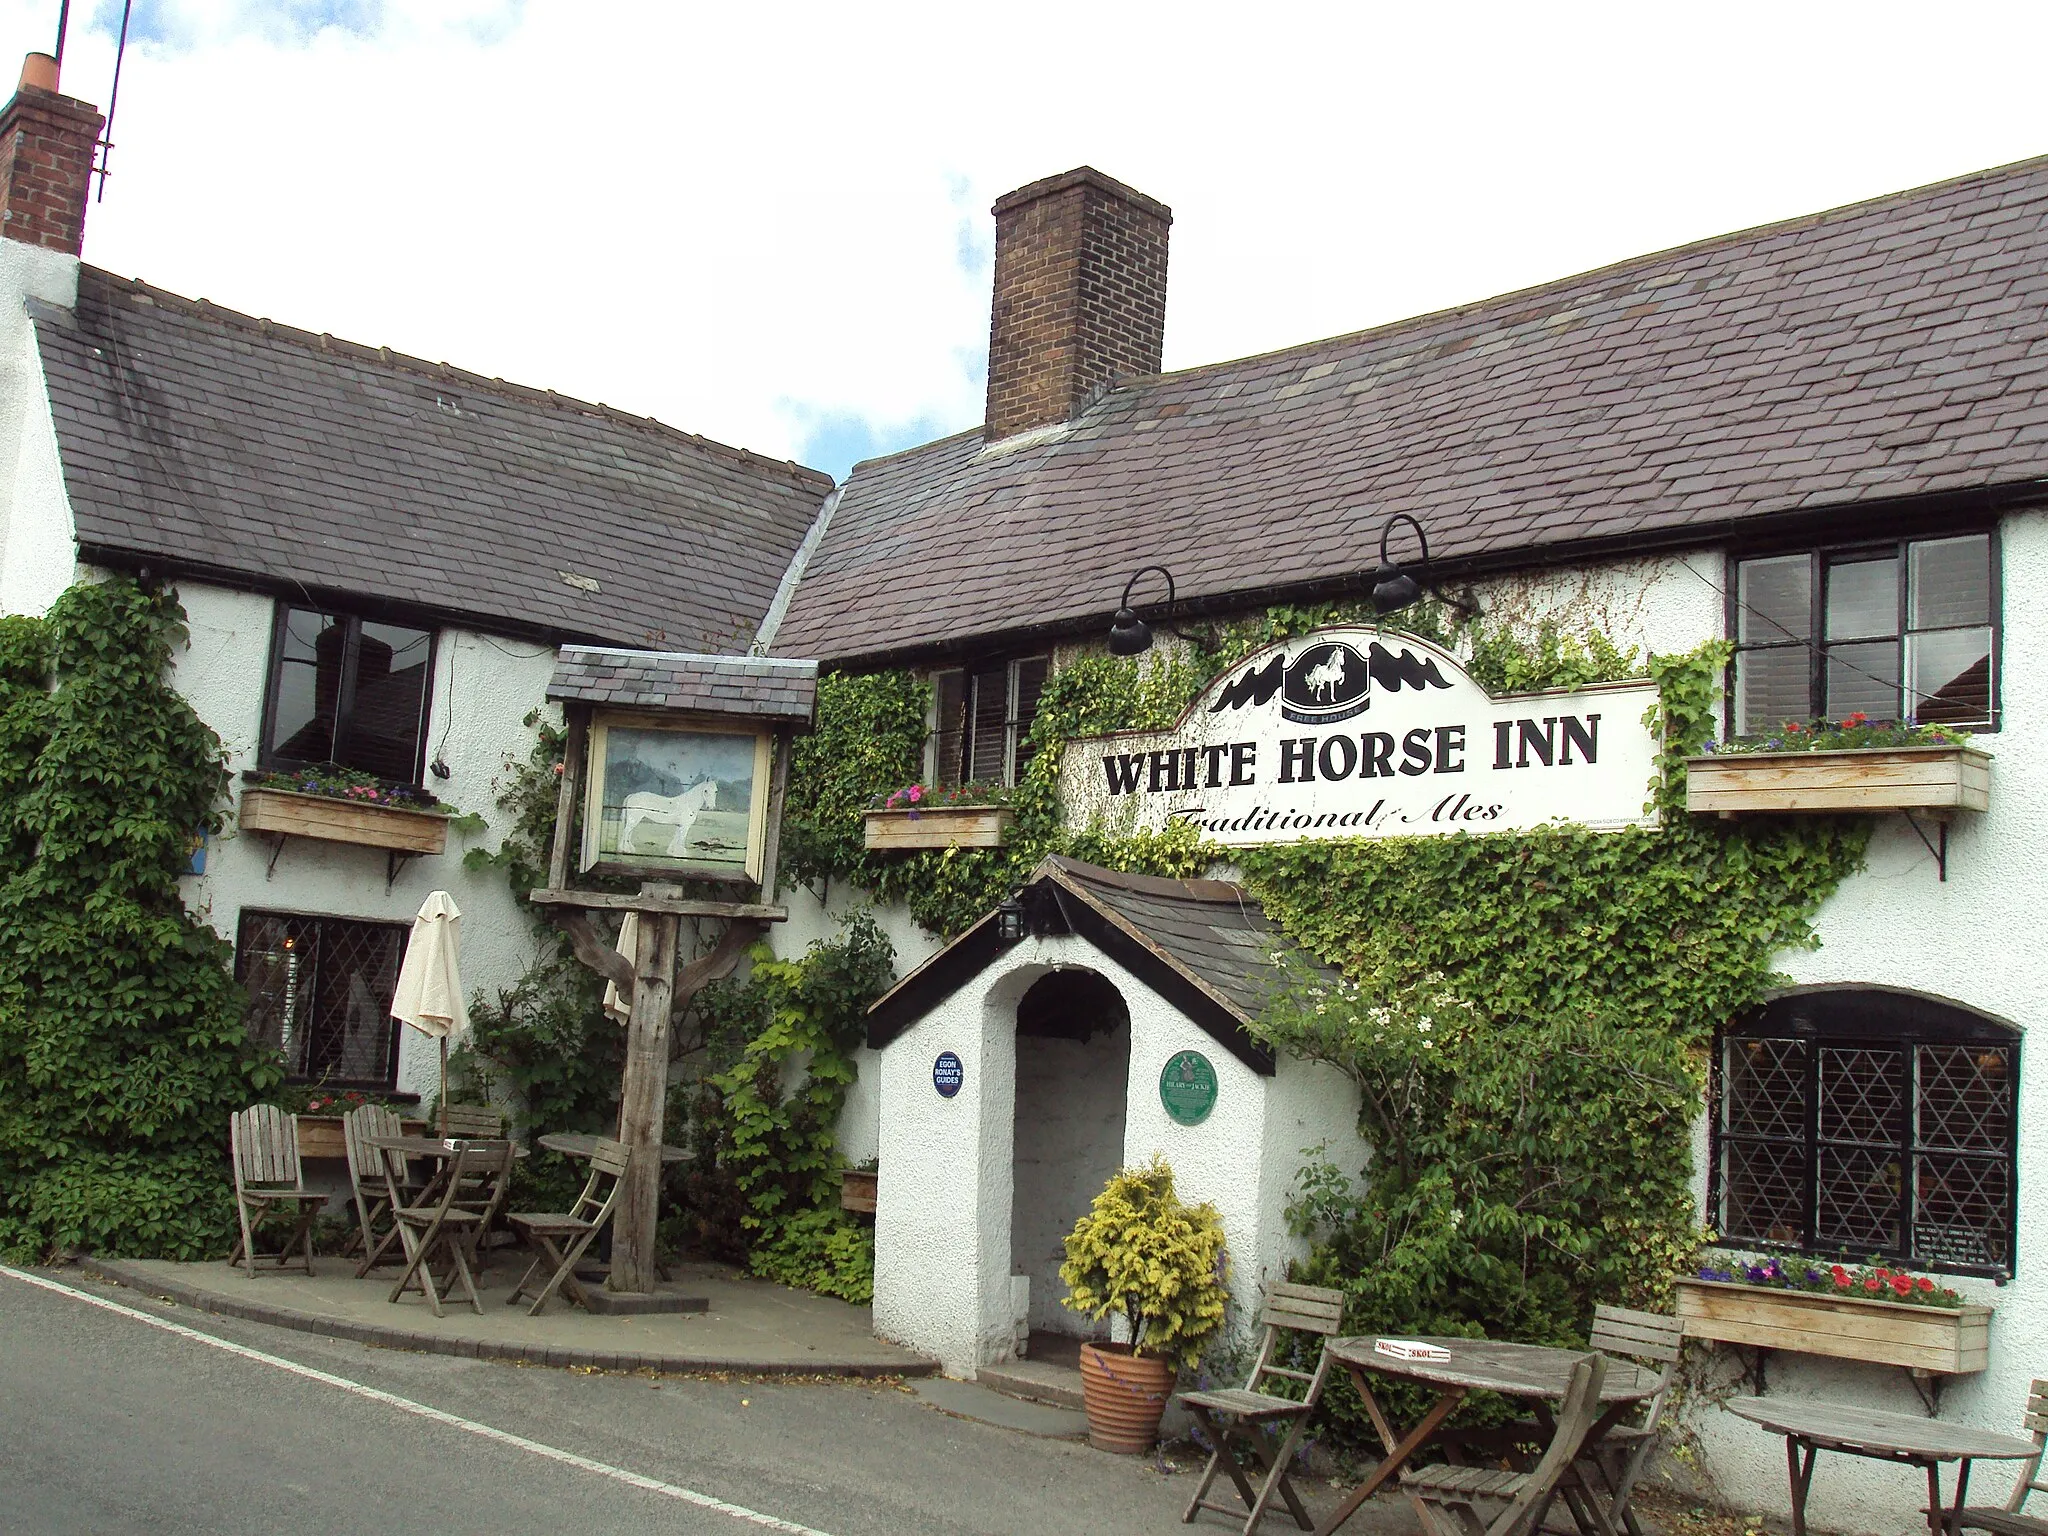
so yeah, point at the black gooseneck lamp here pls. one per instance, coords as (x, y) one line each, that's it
(1393, 588)
(1130, 635)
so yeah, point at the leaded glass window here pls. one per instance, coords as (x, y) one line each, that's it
(1866, 1122)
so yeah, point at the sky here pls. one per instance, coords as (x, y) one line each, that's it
(768, 223)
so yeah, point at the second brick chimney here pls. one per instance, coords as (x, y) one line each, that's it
(46, 144)
(1080, 296)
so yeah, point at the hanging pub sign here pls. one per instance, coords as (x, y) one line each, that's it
(1354, 732)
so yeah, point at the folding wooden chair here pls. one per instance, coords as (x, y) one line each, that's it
(577, 1227)
(2009, 1521)
(376, 1231)
(474, 1122)
(1459, 1499)
(454, 1224)
(1239, 1416)
(1618, 1457)
(263, 1144)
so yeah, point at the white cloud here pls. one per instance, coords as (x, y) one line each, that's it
(751, 220)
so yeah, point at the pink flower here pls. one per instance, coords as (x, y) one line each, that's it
(916, 793)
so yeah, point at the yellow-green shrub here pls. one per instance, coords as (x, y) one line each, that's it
(1143, 1252)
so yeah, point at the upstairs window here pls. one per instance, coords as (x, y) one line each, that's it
(1856, 1122)
(1894, 631)
(347, 691)
(320, 991)
(982, 726)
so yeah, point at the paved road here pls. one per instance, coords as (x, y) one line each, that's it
(109, 1425)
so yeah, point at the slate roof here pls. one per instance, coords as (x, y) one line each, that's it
(215, 443)
(1890, 349)
(1204, 945)
(759, 686)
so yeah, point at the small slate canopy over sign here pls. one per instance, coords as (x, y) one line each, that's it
(1187, 1087)
(948, 1074)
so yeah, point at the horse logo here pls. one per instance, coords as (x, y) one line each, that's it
(1327, 682)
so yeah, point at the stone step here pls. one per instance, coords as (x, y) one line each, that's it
(1036, 1381)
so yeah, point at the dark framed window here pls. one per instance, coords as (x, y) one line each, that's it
(981, 733)
(320, 991)
(1860, 1122)
(1906, 629)
(349, 691)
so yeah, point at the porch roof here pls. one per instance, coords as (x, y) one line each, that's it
(1203, 945)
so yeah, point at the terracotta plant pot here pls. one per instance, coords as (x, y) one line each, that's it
(1125, 1395)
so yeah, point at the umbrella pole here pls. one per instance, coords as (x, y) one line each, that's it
(444, 1088)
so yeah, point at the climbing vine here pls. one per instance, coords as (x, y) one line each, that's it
(122, 1044)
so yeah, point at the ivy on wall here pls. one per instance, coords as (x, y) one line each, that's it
(122, 1044)
(1533, 1147)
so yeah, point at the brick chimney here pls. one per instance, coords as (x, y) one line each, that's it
(46, 144)
(1080, 296)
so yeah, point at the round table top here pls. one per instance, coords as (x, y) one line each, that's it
(578, 1144)
(1845, 1427)
(1489, 1365)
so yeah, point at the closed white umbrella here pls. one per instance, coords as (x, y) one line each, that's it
(429, 995)
(616, 1003)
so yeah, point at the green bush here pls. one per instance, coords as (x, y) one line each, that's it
(122, 1044)
(1147, 1256)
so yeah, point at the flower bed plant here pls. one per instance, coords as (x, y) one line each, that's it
(1852, 733)
(932, 797)
(348, 784)
(1860, 1282)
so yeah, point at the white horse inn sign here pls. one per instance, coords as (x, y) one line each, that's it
(1362, 733)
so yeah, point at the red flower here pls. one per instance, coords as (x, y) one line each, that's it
(1856, 719)
(1924, 1283)
(1903, 1284)
(1883, 1273)
(1792, 727)
(1873, 1284)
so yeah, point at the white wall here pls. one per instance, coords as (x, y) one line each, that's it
(1976, 939)
(38, 558)
(942, 1227)
(483, 688)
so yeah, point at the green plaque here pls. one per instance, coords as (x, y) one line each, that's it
(1187, 1087)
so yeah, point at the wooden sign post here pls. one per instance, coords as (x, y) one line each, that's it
(716, 692)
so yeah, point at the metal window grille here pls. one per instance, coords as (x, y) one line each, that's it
(1898, 1142)
(320, 991)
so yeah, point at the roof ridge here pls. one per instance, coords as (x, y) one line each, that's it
(930, 443)
(323, 341)
(1644, 259)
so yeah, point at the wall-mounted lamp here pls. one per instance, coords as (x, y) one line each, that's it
(1010, 921)
(1130, 635)
(1393, 588)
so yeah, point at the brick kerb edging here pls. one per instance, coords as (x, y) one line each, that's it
(476, 1349)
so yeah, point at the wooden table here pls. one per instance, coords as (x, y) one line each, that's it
(1528, 1371)
(1906, 1438)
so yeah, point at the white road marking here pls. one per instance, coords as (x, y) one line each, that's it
(421, 1410)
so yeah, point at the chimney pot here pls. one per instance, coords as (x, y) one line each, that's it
(39, 71)
(46, 152)
(1080, 296)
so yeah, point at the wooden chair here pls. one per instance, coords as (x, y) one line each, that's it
(263, 1144)
(376, 1231)
(1462, 1498)
(475, 1121)
(2009, 1521)
(453, 1224)
(1240, 1416)
(578, 1226)
(1619, 1456)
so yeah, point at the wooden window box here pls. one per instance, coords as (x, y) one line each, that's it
(321, 1135)
(953, 826)
(1938, 1340)
(857, 1190)
(288, 813)
(1934, 779)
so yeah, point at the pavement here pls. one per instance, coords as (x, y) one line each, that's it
(753, 1327)
(123, 1414)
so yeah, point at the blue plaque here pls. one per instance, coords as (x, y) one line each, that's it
(947, 1074)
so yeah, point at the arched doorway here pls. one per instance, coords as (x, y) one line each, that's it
(1073, 1065)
